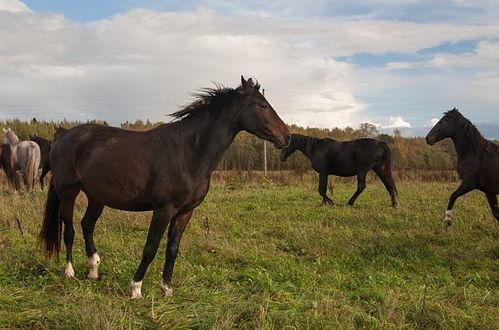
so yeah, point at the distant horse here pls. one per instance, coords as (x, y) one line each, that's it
(477, 159)
(44, 145)
(345, 159)
(166, 169)
(26, 157)
(7, 163)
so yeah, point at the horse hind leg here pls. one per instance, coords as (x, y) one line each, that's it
(92, 214)
(67, 198)
(387, 179)
(492, 199)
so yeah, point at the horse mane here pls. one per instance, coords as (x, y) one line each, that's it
(204, 99)
(473, 136)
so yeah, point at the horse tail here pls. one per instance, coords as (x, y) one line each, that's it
(386, 165)
(50, 234)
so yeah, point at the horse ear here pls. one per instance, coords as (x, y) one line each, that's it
(4, 130)
(247, 85)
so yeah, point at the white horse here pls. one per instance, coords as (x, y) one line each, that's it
(26, 157)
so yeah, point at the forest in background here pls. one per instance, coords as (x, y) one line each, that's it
(246, 153)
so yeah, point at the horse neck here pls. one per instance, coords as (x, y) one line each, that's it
(13, 140)
(211, 133)
(462, 143)
(305, 145)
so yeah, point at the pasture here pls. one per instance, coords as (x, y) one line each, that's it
(261, 253)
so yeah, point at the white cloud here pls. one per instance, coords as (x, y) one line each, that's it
(396, 122)
(13, 6)
(168, 55)
(486, 55)
(144, 63)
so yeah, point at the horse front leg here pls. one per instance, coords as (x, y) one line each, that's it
(177, 227)
(492, 199)
(323, 189)
(160, 219)
(461, 190)
(361, 185)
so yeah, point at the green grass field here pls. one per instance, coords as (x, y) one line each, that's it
(265, 255)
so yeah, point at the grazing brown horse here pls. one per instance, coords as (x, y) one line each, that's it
(477, 159)
(345, 159)
(7, 163)
(166, 170)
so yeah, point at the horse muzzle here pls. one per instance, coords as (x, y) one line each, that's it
(430, 140)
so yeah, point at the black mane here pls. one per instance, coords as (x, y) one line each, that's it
(205, 98)
(474, 137)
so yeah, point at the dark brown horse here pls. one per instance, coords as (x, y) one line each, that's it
(166, 170)
(7, 163)
(345, 159)
(477, 159)
(45, 151)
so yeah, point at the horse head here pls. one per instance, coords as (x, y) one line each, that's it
(445, 127)
(258, 117)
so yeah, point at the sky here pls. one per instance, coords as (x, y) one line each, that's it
(397, 64)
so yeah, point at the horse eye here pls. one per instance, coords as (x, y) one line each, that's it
(264, 105)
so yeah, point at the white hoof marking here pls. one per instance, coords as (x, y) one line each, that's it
(93, 264)
(135, 287)
(448, 217)
(69, 271)
(166, 289)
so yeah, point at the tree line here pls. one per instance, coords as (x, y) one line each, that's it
(246, 153)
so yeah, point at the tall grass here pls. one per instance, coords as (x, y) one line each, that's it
(261, 253)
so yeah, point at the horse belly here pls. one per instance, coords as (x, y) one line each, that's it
(117, 189)
(490, 183)
(488, 175)
(344, 169)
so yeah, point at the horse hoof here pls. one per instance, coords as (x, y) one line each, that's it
(69, 271)
(135, 288)
(93, 264)
(93, 275)
(167, 290)
(448, 218)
